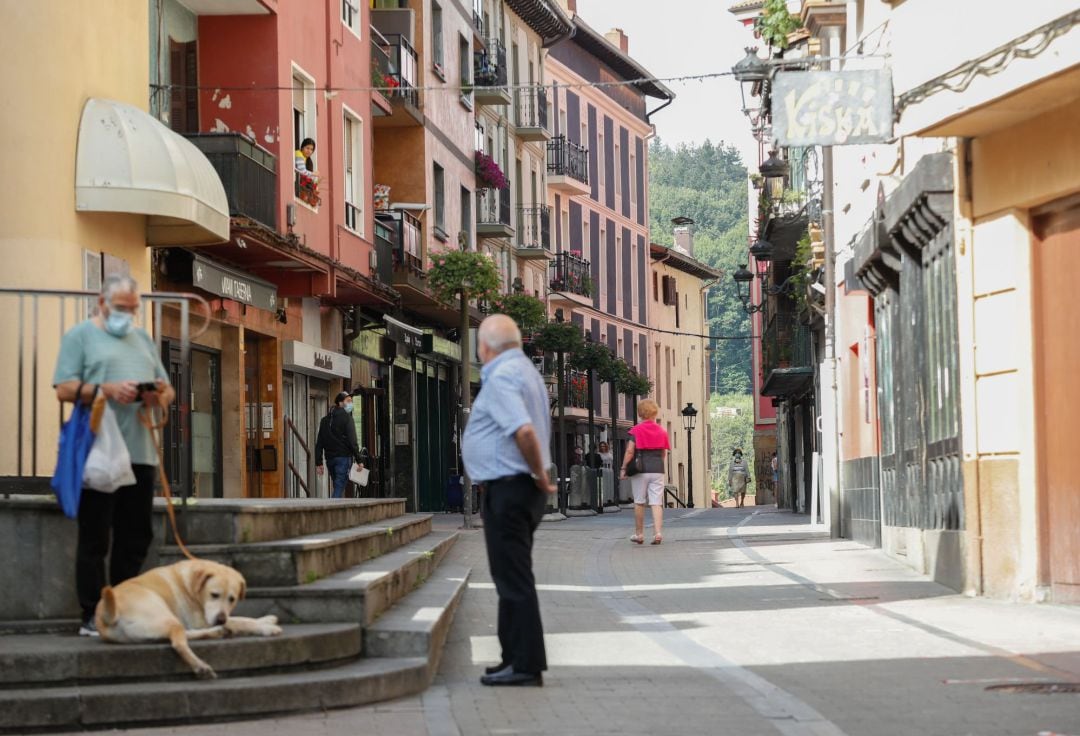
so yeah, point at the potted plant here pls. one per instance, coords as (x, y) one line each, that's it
(488, 173)
(529, 312)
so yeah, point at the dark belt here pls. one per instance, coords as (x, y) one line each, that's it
(507, 479)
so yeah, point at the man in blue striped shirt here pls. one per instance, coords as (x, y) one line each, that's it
(506, 449)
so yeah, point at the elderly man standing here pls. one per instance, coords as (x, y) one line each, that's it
(108, 353)
(506, 449)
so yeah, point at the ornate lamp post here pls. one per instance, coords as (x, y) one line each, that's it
(775, 170)
(689, 415)
(742, 278)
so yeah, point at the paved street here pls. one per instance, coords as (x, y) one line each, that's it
(742, 622)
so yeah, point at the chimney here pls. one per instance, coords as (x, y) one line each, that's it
(618, 39)
(684, 240)
(570, 6)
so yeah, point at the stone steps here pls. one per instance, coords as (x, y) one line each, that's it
(359, 594)
(187, 701)
(235, 521)
(63, 660)
(418, 624)
(307, 559)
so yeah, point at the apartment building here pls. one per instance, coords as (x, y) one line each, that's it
(597, 169)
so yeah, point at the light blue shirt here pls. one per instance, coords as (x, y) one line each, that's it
(90, 354)
(512, 394)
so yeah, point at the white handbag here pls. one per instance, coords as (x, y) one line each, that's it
(359, 476)
(108, 466)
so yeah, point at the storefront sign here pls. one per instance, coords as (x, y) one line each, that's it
(411, 337)
(232, 284)
(313, 361)
(832, 108)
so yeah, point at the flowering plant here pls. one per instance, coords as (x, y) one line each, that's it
(488, 173)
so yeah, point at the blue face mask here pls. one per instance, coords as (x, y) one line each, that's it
(118, 324)
(348, 407)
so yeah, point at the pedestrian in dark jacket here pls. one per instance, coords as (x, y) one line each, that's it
(337, 440)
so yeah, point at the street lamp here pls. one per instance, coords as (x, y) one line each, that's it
(689, 415)
(750, 72)
(742, 278)
(761, 250)
(775, 170)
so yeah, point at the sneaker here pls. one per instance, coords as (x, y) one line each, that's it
(88, 628)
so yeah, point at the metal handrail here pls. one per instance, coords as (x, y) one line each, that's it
(24, 347)
(674, 497)
(294, 434)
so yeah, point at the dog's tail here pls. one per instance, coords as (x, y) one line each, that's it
(107, 607)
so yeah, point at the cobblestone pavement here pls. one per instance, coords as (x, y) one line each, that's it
(744, 621)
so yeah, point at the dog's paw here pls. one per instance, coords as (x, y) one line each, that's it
(268, 620)
(205, 672)
(269, 630)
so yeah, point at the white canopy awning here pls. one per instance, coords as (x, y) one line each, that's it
(129, 162)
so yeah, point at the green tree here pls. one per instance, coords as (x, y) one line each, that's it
(707, 182)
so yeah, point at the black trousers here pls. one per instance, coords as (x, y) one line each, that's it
(512, 511)
(125, 517)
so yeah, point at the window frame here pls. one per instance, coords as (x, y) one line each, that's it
(354, 6)
(438, 41)
(357, 181)
(310, 117)
(438, 198)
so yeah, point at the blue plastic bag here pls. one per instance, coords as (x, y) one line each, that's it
(76, 439)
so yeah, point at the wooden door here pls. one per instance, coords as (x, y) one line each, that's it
(1057, 355)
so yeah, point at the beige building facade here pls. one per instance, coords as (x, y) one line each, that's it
(680, 368)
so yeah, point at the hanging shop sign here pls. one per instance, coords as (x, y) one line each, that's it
(314, 361)
(411, 337)
(832, 108)
(232, 284)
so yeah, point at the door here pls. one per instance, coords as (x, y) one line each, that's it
(192, 438)
(253, 418)
(372, 414)
(1057, 353)
(318, 406)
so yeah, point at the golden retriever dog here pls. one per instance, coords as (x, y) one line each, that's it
(189, 600)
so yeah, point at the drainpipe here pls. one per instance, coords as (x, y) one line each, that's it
(648, 115)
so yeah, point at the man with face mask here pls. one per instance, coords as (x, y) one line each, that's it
(108, 353)
(337, 440)
(737, 477)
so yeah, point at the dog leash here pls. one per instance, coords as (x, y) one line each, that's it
(146, 416)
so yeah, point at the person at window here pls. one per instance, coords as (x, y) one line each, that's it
(337, 441)
(304, 164)
(307, 182)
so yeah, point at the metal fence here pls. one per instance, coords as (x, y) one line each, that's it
(39, 318)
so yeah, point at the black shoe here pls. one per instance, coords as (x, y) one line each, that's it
(495, 668)
(506, 677)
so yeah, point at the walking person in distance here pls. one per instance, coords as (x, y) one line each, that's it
(506, 450)
(337, 440)
(649, 444)
(108, 353)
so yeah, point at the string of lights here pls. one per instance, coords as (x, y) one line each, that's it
(457, 89)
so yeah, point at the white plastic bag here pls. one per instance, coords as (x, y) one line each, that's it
(359, 475)
(108, 466)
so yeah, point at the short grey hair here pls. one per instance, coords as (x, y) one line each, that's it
(118, 284)
(499, 332)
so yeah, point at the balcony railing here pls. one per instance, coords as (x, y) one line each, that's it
(396, 63)
(534, 227)
(576, 387)
(248, 172)
(493, 207)
(570, 273)
(532, 110)
(566, 158)
(306, 188)
(785, 343)
(403, 231)
(489, 65)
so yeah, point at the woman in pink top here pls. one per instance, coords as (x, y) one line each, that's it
(648, 439)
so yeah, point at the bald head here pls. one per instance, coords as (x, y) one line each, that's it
(496, 334)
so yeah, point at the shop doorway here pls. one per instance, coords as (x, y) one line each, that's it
(372, 414)
(1057, 353)
(307, 401)
(193, 462)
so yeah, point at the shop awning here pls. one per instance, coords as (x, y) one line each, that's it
(129, 162)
